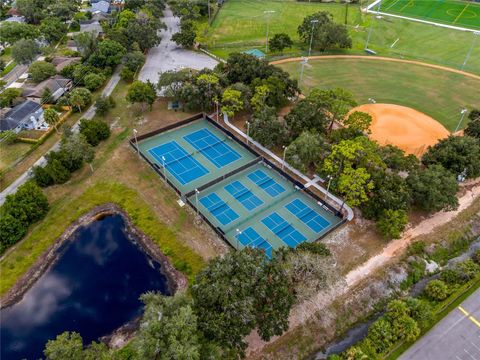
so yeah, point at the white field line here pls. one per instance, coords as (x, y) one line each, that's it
(394, 43)
(419, 20)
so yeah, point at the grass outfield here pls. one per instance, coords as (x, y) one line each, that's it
(451, 12)
(437, 93)
(241, 25)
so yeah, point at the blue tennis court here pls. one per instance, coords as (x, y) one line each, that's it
(178, 162)
(243, 195)
(219, 208)
(264, 181)
(212, 147)
(306, 214)
(249, 237)
(285, 231)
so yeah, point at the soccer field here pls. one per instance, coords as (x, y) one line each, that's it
(451, 12)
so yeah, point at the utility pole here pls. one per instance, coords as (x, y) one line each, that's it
(311, 36)
(268, 12)
(475, 36)
(304, 62)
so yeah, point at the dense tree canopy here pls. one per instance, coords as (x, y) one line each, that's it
(459, 154)
(24, 51)
(41, 70)
(279, 42)
(52, 29)
(473, 127)
(14, 31)
(143, 93)
(266, 128)
(326, 34)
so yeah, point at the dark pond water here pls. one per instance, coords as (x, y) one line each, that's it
(92, 289)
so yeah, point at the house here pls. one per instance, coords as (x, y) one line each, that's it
(93, 26)
(101, 6)
(60, 62)
(57, 85)
(26, 116)
(19, 19)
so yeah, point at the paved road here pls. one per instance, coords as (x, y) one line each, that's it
(12, 188)
(168, 56)
(456, 336)
(14, 74)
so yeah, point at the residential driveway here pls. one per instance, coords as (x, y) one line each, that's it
(456, 336)
(168, 56)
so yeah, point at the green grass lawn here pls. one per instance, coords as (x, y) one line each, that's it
(451, 12)
(11, 153)
(437, 93)
(241, 25)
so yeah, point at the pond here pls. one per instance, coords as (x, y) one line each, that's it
(93, 289)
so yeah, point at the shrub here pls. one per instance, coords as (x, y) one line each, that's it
(42, 176)
(94, 131)
(127, 75)
(315, 248)
(416, 248)
(420, 310)
(94, 81)
(103, 105)
(467, 269)
(391, 223)
(436, 290)
(451, 276)
(476, 256)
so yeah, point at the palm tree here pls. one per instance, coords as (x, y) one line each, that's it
(51, 117)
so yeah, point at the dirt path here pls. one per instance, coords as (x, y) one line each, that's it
(304, 311)
(425, 227)
(379, 58)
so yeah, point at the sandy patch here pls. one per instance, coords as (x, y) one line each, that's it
(409, 129)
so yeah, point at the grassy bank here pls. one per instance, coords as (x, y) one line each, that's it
(437, 93)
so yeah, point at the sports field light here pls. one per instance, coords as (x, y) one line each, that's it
(248, 131)
(163, 166)
(304, 62)
(476, 34)
(372, 100)
(196, 199)
(311, 36)
(284, 154)
(268, 13)
(238, 234)
(462, 112)
(136, 141)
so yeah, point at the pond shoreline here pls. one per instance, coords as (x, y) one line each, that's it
(175, 279)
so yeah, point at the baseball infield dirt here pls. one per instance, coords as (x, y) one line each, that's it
(409, 129)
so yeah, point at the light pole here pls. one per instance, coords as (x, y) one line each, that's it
(463, 112)
(136, 141)
(268, 12)
(196, 199)
(284, 154)
(208, 4)
(248, 131)
(329, 177)
(163, 166)
(475, 35)
(311, 36)
(372, 100)
(236, 237)
(304, 62)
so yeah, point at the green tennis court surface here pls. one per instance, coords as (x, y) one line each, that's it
(451, 12)
(243, 198)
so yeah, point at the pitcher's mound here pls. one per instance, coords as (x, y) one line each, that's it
(409, 129)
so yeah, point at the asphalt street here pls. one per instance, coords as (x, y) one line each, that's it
(456, 336)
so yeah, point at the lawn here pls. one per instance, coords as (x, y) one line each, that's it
(450, 12)
(437, 93)
(241, 25)
(10, 153)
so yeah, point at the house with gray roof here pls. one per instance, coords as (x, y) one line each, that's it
(26, 116)
(57, 85)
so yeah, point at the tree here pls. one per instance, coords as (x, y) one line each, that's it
(127, 75)
(134, 60)
(41, 70)
(47, 97)
(326, 34)
(392, 223)
(80, 98)
(14, 31)
(109, 53)
(140, 92)
(52, 29)
(12, 230)
(231, 102)
(74, 150)
(354, 185)
(306, 150)
(42, 177)
(396, 159)
(359, 120)
(382, 335)
(473, 127)
(24, 51)
(8, 96)
(420, 310)
(174, 334)
(86, 43)
(266, 128)
(337, 102)
(103, 105)
(143, 32)
(433, 189)
(260, 291)
(94, 81)
(94, 131)
(259, 98)
(68, 345)
(63, 9)
(51, 118)
(459, 154)
(170, 82)
(280, 42)
(186, 36)
(33, 10)
(306, 116)
(436, 290)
